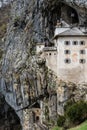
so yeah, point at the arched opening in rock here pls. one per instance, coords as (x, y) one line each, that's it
(36, 112)
(60, 10)
(66, 12)
(69, 14)
(8, 118)
(37, 118)
(36, 105)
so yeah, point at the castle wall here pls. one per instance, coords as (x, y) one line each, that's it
(73, 71)
(51, 60)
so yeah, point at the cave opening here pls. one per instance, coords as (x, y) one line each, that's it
(35, 117)
(36, 105)
(65, 12)
(60, 11)
(8, 118)
(36, 112)
(69, 14)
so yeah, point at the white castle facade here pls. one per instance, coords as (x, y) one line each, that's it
(68, 57)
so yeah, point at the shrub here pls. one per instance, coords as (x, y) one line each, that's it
(68, 104)
(16, 21)
(3, 28)
(77, 112)
(56, 128)
(46, 113)
(61, 121)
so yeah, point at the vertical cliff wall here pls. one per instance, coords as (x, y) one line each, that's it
(25, 79)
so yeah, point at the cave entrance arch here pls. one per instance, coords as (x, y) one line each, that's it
(66, 12)
(36, 105)
(35, 117)
(69, 14)
(36, 112)
(8, 118)
(60, 10)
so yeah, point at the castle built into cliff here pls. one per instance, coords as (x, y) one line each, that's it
(67, 58)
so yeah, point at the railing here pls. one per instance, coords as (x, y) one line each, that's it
(50, 49)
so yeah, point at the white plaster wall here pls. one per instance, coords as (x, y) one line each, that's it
(75, 71)
(51, 60)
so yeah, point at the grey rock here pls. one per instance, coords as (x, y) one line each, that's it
(25, 79)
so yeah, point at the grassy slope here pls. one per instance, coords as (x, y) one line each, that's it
(57, 128)
(82, 126)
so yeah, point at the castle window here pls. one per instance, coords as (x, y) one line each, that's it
(37, 118)
(82, 61)
(82, 51)
(67, 43)
(54, 53)
(82, 42)
(67, 51)
(67, 61)
(50, 54)
(75, 43)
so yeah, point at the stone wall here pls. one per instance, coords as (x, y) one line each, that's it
(70, 71)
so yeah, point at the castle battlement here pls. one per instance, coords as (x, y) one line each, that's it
(45, 49)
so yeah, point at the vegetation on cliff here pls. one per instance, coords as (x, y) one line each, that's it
(75, 114)
(4, 19)
(82, 126)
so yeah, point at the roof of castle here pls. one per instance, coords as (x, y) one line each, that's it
(72, 31)
(66, 30)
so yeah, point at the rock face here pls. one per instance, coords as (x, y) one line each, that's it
(3, 3)
(68, 91)
(9, 120)
(26, 83)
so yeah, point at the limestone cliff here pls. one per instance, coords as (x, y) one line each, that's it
(26, 83)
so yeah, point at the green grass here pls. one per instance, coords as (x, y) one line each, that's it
(57, 128)
(83, 126)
